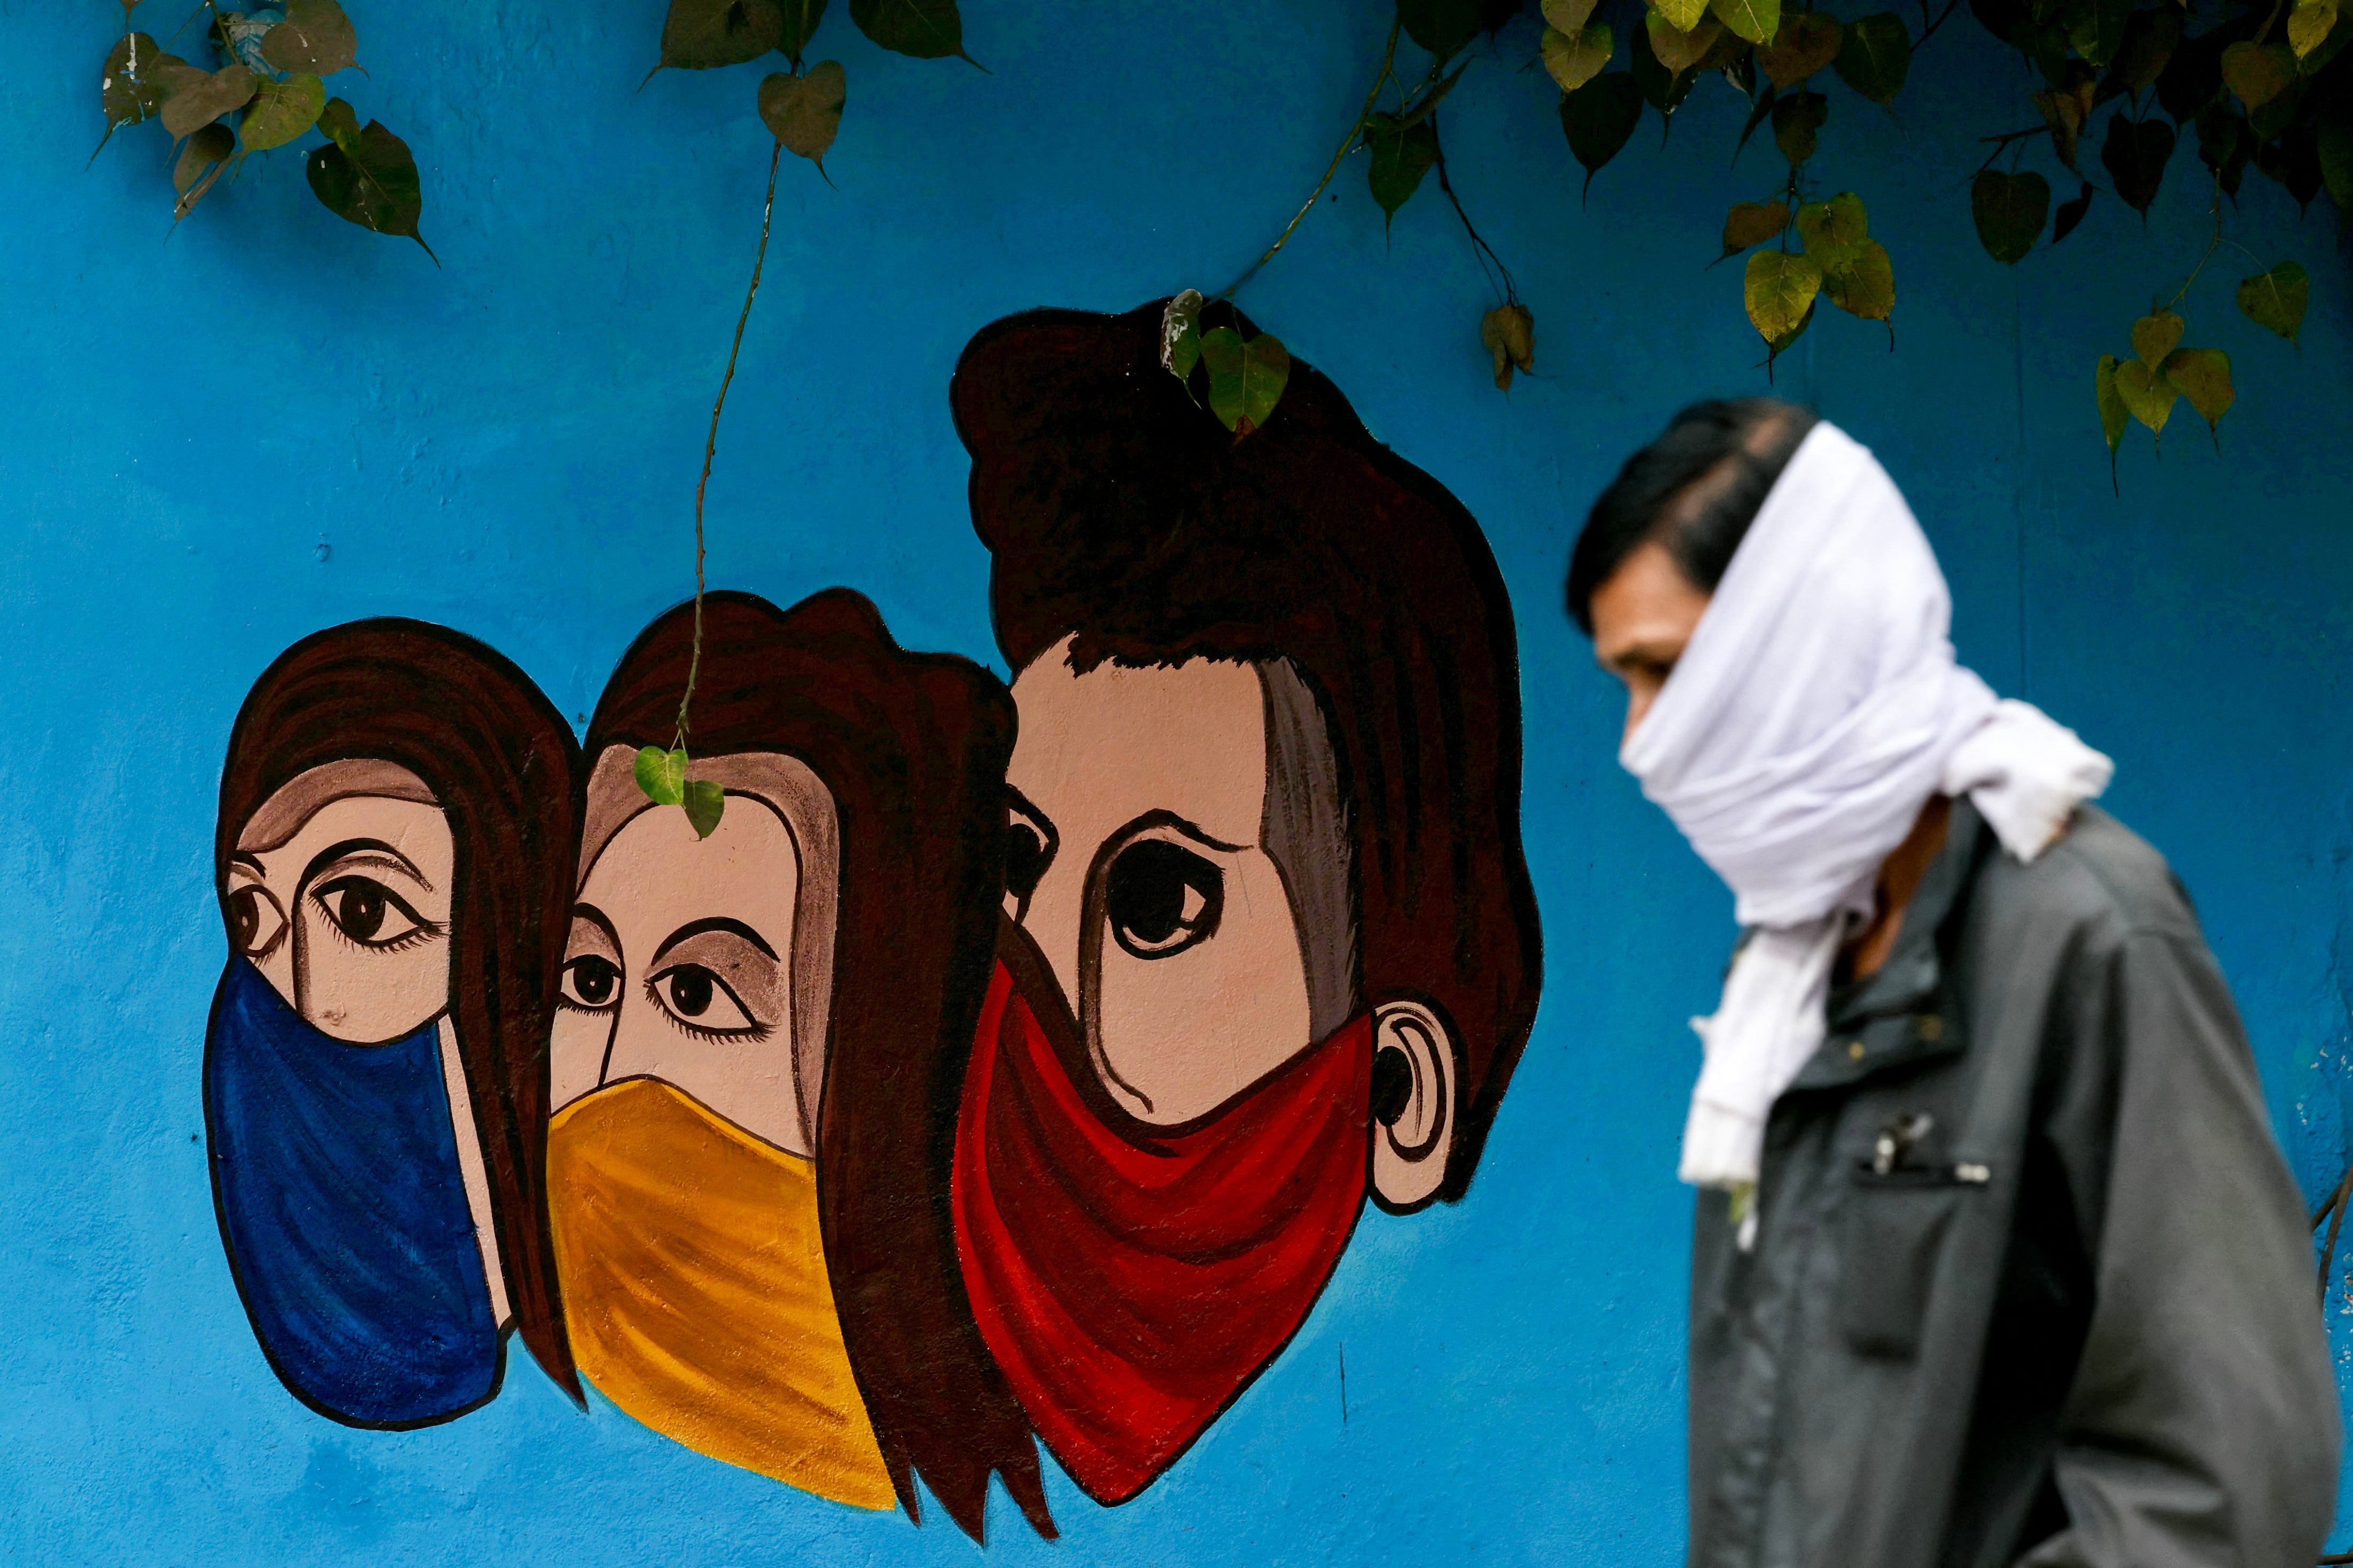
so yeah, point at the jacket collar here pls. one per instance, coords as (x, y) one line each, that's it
(1889, 1017)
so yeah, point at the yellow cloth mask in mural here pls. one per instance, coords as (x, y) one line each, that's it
(695, 1289)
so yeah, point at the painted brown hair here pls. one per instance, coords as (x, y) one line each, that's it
(1124, 516)
(913, 748)
(503, 763)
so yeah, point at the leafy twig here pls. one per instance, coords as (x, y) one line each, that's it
(1389, 60)
(1950, 7)
(711, 442)
(1485, 252)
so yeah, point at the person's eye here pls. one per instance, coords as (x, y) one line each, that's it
(255, 921)
(591, 984)
(1161, 898)
(372, 914)
(698, 1002)
(1029, 850)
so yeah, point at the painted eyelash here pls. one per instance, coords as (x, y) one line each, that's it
(426, 931)
(757, 1033)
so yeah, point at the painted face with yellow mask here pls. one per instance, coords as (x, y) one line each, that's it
(754, 1066)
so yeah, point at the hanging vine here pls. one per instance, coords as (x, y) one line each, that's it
(802, 108)
(2263, 83)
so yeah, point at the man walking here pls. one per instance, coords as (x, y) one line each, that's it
(1995, 1261)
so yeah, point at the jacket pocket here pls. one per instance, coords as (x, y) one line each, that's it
(1894, 1231)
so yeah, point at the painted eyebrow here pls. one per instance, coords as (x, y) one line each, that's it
(716, 922)
(1192, 830)
(247, 858)
(1023, 805)
(335, 852)
(600, 919)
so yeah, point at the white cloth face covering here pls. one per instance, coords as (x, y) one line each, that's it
(1817, 709)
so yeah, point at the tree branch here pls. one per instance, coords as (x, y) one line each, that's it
(1389, 58)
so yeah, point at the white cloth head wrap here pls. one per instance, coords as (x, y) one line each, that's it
(1817, 709)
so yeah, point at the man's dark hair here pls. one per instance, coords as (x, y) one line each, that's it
(1696, 489)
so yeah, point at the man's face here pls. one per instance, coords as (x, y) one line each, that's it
(1643, 618)
(1137, 867)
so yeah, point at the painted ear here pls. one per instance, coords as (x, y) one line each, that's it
(1413, 1103)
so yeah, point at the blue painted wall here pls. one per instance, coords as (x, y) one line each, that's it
(218, 439)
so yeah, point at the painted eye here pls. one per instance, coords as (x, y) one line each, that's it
(1161, 898)
(370, 913)
(702, 1002)
(255, 921)
(591, 984)
(1030, 844)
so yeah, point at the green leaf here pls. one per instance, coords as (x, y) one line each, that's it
(1797, 119)
(2224, 144)
(1682, 16)
(1753, 222)
(2135, 156)
(1775, 347)
(367, 177)
(662, 774)
(2147, 394)
(1807, 41)
(1755, 20)
(2008, 210)
(129, 90)
(2150, 38)
(2309, 26)
(1680, 51)
(2336, 150)
(1662, 88)
(706, 802)
(2113, 413)
(338, 124)
(1599, 117)
(1180, 336)
(1440, 26)
(2258, 73)
(199, 166)
(2070, 213)
(316, 36)
(1865, 287)
(2154, 337)
(927, 29)
(197, 98)
(1509, 333)
(1575, 60)
(211, 144)
(703, 35)
(2203, 376)
(1875, 56)
(281, 111)
(1779, 293)
(1569, 16)
(804, 112)
(800, 20)
(1402, 154)
(1246, 379)
(2276, 299)
(1834, 232)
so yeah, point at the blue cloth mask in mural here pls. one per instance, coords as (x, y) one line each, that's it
(344, 1209)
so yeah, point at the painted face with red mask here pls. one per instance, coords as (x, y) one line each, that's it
(1177, 1101)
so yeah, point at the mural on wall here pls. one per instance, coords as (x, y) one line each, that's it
(1003, 1067)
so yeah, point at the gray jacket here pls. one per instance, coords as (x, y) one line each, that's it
(2032, 1283)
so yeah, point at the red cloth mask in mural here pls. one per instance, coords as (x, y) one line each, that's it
(1132, 1280)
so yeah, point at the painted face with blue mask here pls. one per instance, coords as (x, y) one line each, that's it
(346, 1168)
